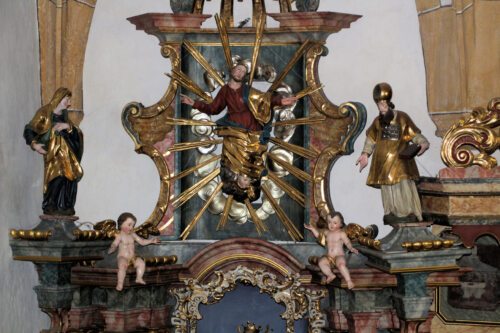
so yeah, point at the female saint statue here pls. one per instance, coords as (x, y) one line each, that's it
(54, 136)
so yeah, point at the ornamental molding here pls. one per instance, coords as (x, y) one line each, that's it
(299, 301)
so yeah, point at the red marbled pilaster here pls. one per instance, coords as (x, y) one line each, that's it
(362, 322)
(470, 172)
(425, 327)
(81, 318)
(160, 317)
(166, 22)
(384, 319)
(318, 20)
(126, 321)
(410, 326)
(336, 319)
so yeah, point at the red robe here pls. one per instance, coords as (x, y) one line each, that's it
(237, 110)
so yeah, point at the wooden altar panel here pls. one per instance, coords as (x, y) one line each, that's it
(63, 29)
(461, 43)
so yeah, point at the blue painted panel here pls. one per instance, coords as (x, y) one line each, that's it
(243, 304)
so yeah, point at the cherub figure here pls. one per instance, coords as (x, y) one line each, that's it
(334, 239)
(124, 241)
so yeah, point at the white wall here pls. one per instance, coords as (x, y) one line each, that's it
(123, 65)
(21, 168)
(382, 46)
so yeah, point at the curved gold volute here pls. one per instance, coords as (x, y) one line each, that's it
(133, 115)
(478, 131)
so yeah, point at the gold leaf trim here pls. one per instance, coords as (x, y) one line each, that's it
(477, 131)
(297, 300)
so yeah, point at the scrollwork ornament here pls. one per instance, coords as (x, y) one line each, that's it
(171, 52)
(133, 111)
(478, 131)
(298, 301)
(318, 98)
(329, 156)
(137, 110)
(355, 231)
(317, 319)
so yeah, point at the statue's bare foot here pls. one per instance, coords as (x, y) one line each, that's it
(119, 286)
(140, 281)
(350, 284)
(330, 278)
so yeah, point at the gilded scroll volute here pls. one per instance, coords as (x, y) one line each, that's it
(136, 120)
(336, 116)
(478, 131)
(329, 155)
(318, 98)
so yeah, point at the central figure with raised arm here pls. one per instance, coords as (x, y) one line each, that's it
(246, 129)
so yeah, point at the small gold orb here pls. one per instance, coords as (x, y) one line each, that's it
(416, 246)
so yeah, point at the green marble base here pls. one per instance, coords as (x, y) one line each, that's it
(60, 247)
(393, 258)
(53, 259)
(411, 297)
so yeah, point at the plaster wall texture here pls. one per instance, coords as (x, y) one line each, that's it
(382, 46)
(123, 65)
(20, 179)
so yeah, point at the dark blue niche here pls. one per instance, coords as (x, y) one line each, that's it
(243, 304)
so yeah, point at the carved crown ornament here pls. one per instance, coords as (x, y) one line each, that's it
(302, 145)
(474, 139)
(298, 300)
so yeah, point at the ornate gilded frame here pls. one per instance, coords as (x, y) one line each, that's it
(298, 300)
(336, 134)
